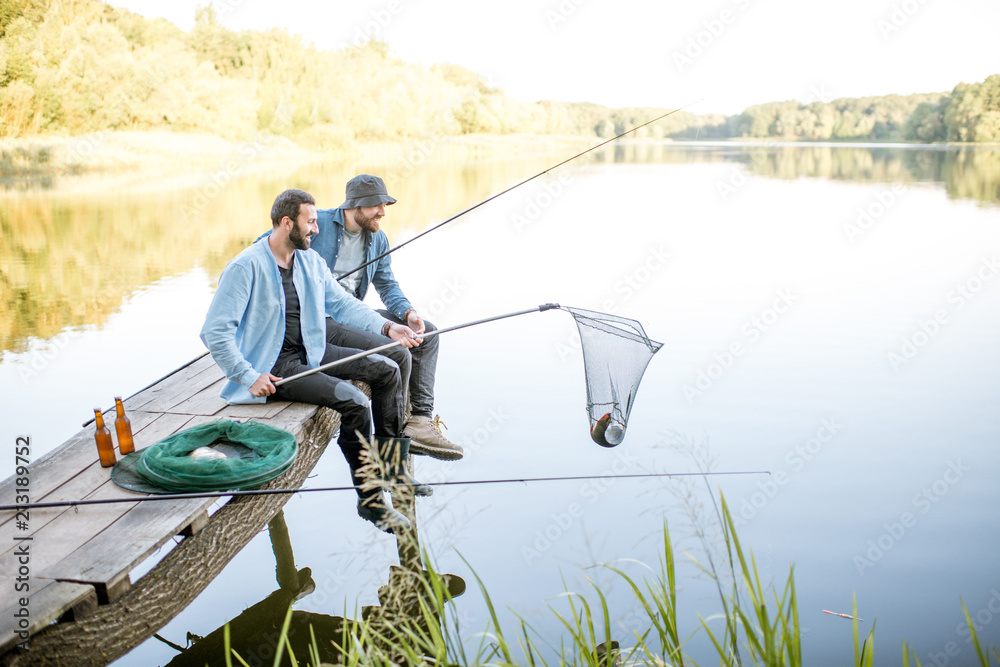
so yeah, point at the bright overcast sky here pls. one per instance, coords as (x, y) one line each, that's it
(725, 55)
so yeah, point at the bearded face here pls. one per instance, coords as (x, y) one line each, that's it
(368, 217)
(300, 235)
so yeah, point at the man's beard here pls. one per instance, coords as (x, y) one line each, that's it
(300, 240)
(368, 224)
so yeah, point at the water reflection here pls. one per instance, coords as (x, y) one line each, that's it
(407, 603)
(69, 257)
(966, 172)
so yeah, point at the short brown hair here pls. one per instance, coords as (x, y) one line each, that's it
(288, 203)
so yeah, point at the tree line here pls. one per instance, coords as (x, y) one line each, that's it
(84, 66)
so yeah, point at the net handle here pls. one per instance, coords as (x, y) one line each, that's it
(538, 309)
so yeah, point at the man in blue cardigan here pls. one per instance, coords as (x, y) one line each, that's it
(349, 237)
(268, 320)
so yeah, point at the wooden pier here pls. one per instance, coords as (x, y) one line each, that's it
(83, 607)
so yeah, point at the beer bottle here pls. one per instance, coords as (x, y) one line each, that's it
(124, 428)
(105, 448)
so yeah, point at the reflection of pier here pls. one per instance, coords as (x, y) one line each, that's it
(81, 557)
(254, 634)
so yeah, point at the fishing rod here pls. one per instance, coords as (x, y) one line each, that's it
(375, 350)
(527, 180)
(428, 231)
(272, 492)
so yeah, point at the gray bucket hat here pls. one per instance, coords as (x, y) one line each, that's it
(366, 190)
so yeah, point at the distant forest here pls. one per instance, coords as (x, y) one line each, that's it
(69, 68)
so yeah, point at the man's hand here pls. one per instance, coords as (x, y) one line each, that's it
(414, 322)
(404, 335)
(264, 386)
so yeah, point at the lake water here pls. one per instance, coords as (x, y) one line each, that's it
(829, 314)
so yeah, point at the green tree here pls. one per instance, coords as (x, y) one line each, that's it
(926, 123)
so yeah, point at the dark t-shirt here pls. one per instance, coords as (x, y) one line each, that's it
(293, 330)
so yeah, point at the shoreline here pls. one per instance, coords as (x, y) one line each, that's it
(107, 152)
(32, 159)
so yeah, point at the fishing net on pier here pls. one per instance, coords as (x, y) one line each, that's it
(616, 351)
(218, 456)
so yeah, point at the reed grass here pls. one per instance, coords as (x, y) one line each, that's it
(761, 629)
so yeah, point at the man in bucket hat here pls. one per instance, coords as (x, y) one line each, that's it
(348, 237)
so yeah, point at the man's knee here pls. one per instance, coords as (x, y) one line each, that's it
(399, 355)
(386, 370)
(431, 342)
(349, 400)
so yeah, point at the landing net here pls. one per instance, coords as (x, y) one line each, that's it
(218, 456)
(616, 351)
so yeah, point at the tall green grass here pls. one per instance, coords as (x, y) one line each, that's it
(761, 625)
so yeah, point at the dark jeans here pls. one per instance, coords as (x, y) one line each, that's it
(332, 389)
(417, 365)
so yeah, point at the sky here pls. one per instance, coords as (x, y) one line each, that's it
(717, 57)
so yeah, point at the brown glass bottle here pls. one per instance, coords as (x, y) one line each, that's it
(124, 428)
(105, 448)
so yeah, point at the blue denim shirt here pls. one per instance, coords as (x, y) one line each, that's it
(245, 324)
(327, 244)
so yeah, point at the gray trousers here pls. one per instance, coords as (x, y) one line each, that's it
(417, 365)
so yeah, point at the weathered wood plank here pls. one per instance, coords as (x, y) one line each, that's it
(136, 535)
(73, 457)
(196, 525)
(296, 418)
(199, 374)
(88, 476)
(72, 529)
(75, 489)
(205, 402)
(256, 411)
(49, 601)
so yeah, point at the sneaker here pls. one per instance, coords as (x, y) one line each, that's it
(426, 439)
(385, 518)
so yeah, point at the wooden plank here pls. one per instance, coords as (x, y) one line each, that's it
(196, 525)
(205, 402)
(60, 465)
(136, 535)
(177, 384)
(256, 411)
(53, 477)
(178, 388)
(296, 418)
(49, 601)
(72, 529)
(88, 475)
(74, 489)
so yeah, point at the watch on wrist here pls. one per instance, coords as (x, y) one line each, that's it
(386, 327)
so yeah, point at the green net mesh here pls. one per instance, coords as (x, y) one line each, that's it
(237, 456)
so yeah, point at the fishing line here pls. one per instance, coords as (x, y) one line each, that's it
(527, 180)
(271, 492)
